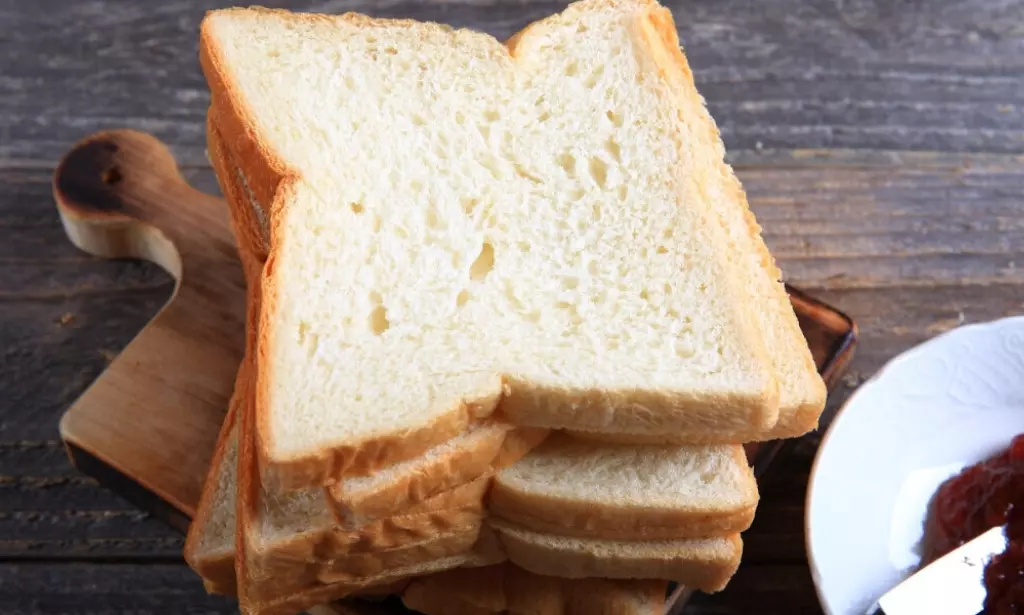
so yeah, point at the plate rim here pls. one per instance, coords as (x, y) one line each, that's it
(837, 419)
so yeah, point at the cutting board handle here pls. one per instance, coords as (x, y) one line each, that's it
(117, 192)
(120, 195)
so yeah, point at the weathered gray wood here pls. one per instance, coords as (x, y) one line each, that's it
(777, 74)
(38, 588)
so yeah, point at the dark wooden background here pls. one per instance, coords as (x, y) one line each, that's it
(880, 141)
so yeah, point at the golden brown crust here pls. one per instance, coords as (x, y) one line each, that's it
(461, 467)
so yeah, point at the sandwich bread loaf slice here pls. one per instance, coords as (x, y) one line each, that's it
(598, 490)
(705, 564)
(529, 223)
(463, 459)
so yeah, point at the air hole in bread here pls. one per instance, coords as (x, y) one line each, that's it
(686, 350)
(615, 118)
(491, 115)
(434, 220)
(524, 246)
(623, 192)
(570, 283)
(662, 250)
(614, 149)
(483, 264)
(568, 163)
(419, 120)
(571, 69)
(379, 322)
(595, 211)
(462, 298)
(357, 208)
(391, 51)
(522, 172)
(469, 205)
(599, 171)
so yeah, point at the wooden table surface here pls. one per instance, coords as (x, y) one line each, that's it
(880, 142)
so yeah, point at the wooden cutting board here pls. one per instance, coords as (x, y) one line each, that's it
(147, 426)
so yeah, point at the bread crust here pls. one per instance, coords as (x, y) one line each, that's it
(218, 569)
(458, 467)
(434, 485)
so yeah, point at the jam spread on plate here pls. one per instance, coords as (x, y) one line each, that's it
(977, 499)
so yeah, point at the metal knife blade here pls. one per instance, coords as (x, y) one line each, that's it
(951, 585)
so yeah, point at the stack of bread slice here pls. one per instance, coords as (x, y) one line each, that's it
(508, 310)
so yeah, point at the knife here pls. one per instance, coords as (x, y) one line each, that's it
(951, 585)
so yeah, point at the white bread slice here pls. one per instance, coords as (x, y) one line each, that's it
(549, 238)
(483, 449)
(578, 488)
(506, 588)
(704, 564)
(210, 542)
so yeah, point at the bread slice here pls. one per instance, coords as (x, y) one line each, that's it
(477, 453)
(704, 564)
(506, 588)
(209, 545)
(579, 488)
(549, 239)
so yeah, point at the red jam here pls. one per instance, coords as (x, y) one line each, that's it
(981, 497)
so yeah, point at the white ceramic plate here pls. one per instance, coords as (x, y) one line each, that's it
(950, 402)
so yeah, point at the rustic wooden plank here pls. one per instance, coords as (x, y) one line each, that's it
(94, 589)
(777, 74)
